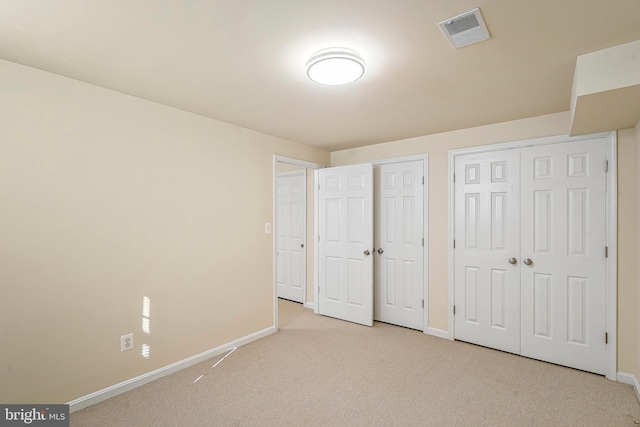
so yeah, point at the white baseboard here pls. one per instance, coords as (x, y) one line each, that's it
(114, 390)
(437, 333)
(630, 379)
(310, 305)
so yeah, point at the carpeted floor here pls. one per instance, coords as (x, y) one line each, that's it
(318, 371)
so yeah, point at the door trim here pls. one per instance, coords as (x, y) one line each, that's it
(274, 215)
(610, 225)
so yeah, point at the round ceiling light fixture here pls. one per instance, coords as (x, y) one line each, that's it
(335, 66)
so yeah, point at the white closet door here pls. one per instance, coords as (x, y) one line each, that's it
(487, 248)
(399, 213)
(346, 243)
(291, 214)
(563, 235)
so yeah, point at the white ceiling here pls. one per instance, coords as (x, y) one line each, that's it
(242, 61)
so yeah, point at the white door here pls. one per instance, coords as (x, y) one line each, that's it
(530, 249)
(563, 252)
(291, 214)
(399, 213)
(346, 243)
(487, 249)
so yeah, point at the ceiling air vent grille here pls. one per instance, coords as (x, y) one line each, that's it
(465, 29)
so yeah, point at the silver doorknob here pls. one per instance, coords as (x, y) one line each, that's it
(527, 261)
(512, 261)
(367, 253)
(302, 245)
(380, 250)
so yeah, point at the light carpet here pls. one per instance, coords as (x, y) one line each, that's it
(319, 371)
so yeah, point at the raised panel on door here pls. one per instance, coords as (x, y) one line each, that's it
(563, 234)
(399, 213)
(487, 219)
(290, 229)
(346, 243)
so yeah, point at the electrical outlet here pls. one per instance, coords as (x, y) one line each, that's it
(126, 342)
(267, 228)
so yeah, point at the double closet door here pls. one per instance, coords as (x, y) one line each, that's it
(530, 252)
(371, 251)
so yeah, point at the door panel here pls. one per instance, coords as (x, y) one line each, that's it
(487, 220)
(346, 243)
(544, 206)
(563, 233)
(291, 214)
(399, 281)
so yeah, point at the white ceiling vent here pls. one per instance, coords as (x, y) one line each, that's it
(465, 29)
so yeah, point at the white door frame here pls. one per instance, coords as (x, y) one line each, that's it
(611, 230)
(274, 236)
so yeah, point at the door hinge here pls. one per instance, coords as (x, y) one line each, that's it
(423, 242)
(454, 244)
(606, 251)
(454, 310)
(423, 180)
(606, 165)
(422, 303)
(454, 177)
(606, 338)
(318, 237)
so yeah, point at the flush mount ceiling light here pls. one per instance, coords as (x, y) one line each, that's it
(335, 66)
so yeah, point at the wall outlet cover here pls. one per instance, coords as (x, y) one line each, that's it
(126, 342)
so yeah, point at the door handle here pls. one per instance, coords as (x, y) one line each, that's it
(528, 261)
(380, 250)
(367, 252)
(513, 261)
(302, 245)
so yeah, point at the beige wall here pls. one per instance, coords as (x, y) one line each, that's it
(608, 77)
(437, 147)
(105, 199)
(619, 64)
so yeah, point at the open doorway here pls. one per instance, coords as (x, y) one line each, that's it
(293, 231)
(291, 236)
